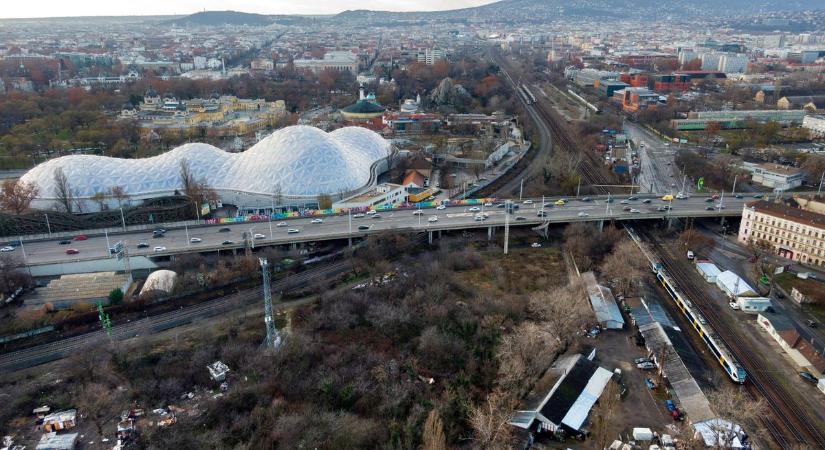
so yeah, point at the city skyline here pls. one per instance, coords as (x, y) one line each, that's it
(83, 8)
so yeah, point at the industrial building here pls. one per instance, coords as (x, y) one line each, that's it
(816, 126)
(603, 303)
(737, 119)
(780, 178)
(292, 166)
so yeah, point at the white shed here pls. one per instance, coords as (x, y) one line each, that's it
(734, 286)
(753, 304)
(708, 270)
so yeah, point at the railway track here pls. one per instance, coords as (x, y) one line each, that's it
(762, 381)
(56, 350)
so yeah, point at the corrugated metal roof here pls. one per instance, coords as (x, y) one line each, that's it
(578, 412)
(733, 284)
(603, 303)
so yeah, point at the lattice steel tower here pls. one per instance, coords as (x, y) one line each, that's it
(272, 336)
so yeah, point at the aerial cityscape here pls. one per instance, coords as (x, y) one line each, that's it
(469, 224)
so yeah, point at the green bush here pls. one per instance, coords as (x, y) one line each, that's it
(115, 296)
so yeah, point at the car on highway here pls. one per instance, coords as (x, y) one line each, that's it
(317, 221)
(195, 240)
(376, 216)
(626, 209)
(159, 249)
(720, 206)
(808, 377)
(72, 251)
(143, 245)
(528, 202)
(356, 216)
(364, 227)
(634, 211)
(258, 236)
(541, 213)
(738, 195)
(432, 219)
(501, 205)
(224, 230)
(293, 231)
(624, 202)
(488, 204)
(474, 209)
(633, 198)
(158, 233)
(80, 237)
(281, 224)
(227, 242)
(7, 248)
(418, 212)
(520, 218)
(647, 200)
(371, 212)
(559, 202)
(758, 196)
(479, 218)
(647, 365)
(441, 207)
(584, 214)
(535, 245)
(667, 198)
(65, 242)
(681, 196)
(587, 199)
(709, 208)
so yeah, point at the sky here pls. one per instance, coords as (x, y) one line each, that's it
(63, 8)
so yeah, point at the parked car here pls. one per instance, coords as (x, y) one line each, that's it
(317, 221)
(734, 306)
(690, 254)
(159, 249)
(80, 237)
(535, 245)
(142, 245)
(641, 360)
(7, 248)
(808, 377)
(195, 240)
(646, 365)
(72, 251)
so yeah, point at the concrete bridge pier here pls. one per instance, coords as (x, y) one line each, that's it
(489, 233)
(293, 246)
(439, 234)
(669, 223)
(430, 237)
(601, 226)
(349, 242)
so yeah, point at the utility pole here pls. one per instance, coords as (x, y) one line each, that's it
(48, 227)
(508, 205)
(520, 189)
(272, 337)
(821, 179)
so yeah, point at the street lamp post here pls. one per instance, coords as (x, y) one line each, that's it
(188, 241)
(122, 219)
(48, 226)
(108, 247)
(821, 179)
(733, 191)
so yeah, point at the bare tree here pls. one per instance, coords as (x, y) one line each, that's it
(433, 434)
(63, 191)
(524, 354)
(624, 264)
(12, 275)
(736, 405)
(563, 312)
(100, 199)
(97, 402)
(603, 415)
(119, 194)
(324, 201)
(16, 196)
(489, 421)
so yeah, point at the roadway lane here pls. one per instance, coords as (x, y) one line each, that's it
(657, 171)
(457, 217)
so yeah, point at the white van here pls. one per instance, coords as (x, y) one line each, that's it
(690, 255)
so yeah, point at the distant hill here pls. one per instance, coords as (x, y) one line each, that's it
(220, 18)
(544, 10)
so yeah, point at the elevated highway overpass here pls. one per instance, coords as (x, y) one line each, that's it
(212, 237)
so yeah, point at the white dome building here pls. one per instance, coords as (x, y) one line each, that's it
(295, 164)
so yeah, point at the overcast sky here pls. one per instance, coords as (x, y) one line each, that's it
(63, 8)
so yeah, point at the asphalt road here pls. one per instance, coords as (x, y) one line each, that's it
(657, 170)
(338, 227)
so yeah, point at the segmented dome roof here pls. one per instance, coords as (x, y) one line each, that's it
(297, 161)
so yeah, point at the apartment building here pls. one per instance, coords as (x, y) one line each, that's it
(430, 56)
(792, 233)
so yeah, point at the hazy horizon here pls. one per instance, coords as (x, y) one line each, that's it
(87, 8)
